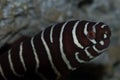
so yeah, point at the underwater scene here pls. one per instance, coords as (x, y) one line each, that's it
(59, 39)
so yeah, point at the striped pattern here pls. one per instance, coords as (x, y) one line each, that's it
(56, 51)
(21, 58)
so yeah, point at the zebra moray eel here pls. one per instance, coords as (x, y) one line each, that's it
(56, 51)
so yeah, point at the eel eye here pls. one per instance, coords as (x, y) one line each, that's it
(91, 35)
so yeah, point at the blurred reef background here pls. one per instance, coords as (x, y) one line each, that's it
(28, 17)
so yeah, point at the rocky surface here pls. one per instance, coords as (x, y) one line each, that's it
(27, 17)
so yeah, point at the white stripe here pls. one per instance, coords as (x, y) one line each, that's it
(85, 29)
(101, 42)
(78, 59)
(21, 56)
(94, 27)
(86, 32)
(88, 54)
(11, 64)
(49, 56)
(103, 26)
(105, 36)
(93, 41)
(75, 36)
(94, 30)
(35, 54)
(51, 33)
(61, 49)
(2, 73)
(98, 51)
